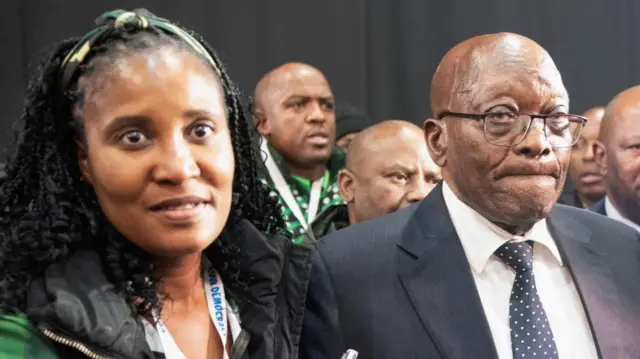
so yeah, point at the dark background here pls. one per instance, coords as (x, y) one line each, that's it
(377, 54)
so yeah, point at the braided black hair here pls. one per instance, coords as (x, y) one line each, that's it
(48, 212)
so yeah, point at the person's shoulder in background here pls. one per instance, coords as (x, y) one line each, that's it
(607, 232)
(569, 196)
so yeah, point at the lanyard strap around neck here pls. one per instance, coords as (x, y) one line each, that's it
(216, 301)
(283, 188)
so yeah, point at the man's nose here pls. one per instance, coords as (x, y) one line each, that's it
(316, 113)
(419, 191)
(535, 143)
(588, 152)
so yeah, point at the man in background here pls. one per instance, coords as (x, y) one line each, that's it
(294, 112)
(617, 152)
(349, 122)
(388, 167)
(584, 173)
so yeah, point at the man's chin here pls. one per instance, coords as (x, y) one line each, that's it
(317, 158)
(531, 181)
(521, 221)
(594, 196)
(522, 210)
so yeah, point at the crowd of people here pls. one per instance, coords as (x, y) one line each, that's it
(150, 212)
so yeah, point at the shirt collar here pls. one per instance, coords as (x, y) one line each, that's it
(480, 238)
(613, 213)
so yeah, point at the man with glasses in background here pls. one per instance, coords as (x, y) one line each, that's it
(487, 265)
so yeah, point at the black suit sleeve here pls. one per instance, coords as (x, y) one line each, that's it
(321, 331)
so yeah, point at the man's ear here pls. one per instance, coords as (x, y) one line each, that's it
(346, 185)
(600, 157)
(83, 161)
(262, 123)
(435, 136)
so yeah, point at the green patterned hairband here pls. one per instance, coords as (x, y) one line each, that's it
(113, 21)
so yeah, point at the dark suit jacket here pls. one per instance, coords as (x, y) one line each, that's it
(569, 196)
(400, 287)
(599, 207)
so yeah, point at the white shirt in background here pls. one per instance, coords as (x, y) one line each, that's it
(613, 213)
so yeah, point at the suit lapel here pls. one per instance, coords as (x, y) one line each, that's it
(595, 284)
(599, 207)
(437, 278)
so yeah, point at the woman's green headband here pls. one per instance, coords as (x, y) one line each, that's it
(113, 21)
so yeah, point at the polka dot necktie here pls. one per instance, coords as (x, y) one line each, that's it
(531, 335)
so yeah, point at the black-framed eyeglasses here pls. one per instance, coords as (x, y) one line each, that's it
(508, 129)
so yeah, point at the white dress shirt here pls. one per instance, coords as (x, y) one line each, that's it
(494, 280)
(613, 213)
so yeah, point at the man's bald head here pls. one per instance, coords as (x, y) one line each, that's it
(625, 106)
(591, 131)
(294, 111)
(455, 79)
(279, 78)
(595, 113)
(380, 137)
(388, 167)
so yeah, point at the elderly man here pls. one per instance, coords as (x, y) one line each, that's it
(388, 167)
(588, 183)
(486, 266)
(294, 112)
(618, 154)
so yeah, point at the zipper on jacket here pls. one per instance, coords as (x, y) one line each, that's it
(72, 344)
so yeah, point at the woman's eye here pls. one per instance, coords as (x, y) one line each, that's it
(202, 131)
(133, 138)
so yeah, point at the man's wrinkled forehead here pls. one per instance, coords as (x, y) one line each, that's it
(530, 79)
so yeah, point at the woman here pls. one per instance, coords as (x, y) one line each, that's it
(134, 225)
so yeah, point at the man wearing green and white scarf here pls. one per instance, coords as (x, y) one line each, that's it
(294, 113)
